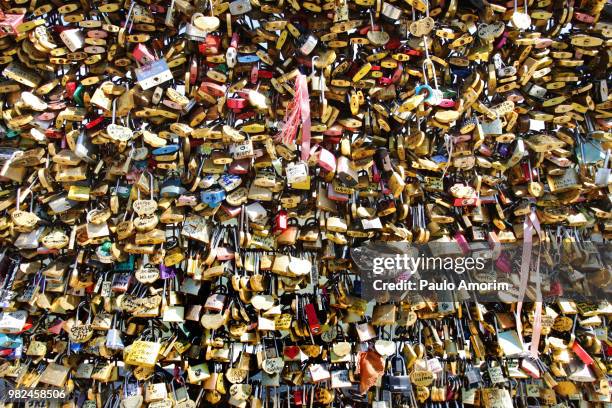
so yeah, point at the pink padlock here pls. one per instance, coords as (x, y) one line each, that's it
(397, 74)
(584, 18)
(335, 196)
(447, 103)
(384, 81)
(334, 130)
(9, 23)
(375, 174)
(326, 160)
(142, 54)
(503, 264)
(462, 242)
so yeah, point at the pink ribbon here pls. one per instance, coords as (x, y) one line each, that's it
(298, 111)
(537, 318)
(531, 222)
(305, 109)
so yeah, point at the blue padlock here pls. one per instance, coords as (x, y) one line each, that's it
(229, 181)
(172, 188)
(76, 347)
(123, 191)
(247, 58)
(126, 266)
(10, 340)
(164, 150)
(461, 72)
(213, 197)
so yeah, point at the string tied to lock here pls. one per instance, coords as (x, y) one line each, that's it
(448, 145)
(297, 113)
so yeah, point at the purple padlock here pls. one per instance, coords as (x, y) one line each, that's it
(166, 272)
(502, 40)
(504, 150)
(503, 263)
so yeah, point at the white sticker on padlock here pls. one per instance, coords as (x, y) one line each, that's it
(242, 150)
(296, 172)
(240, 7)
(153, 74)
(119, 133)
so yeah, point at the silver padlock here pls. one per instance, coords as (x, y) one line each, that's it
(390, 11)
(153, 74)
(74, 39)
(238, 7)
(602, 176)
(113, 337)
(86, 150)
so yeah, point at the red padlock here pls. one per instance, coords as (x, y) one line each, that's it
(581, 353)
(556, 289)
(264, 73)
(584, 18)
(366, 29)
(466, 202)
(298, 397)
(526, 170)
(142, 54)
(236, 103)
(334, 130)
(280, 222)
(447, 103)
(313, 319)
(71, 87)
(213, 89)
(245, 115)
(54, 134)
(393, 44)
(211, 45)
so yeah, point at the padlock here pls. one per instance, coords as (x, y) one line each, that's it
(143, 55)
